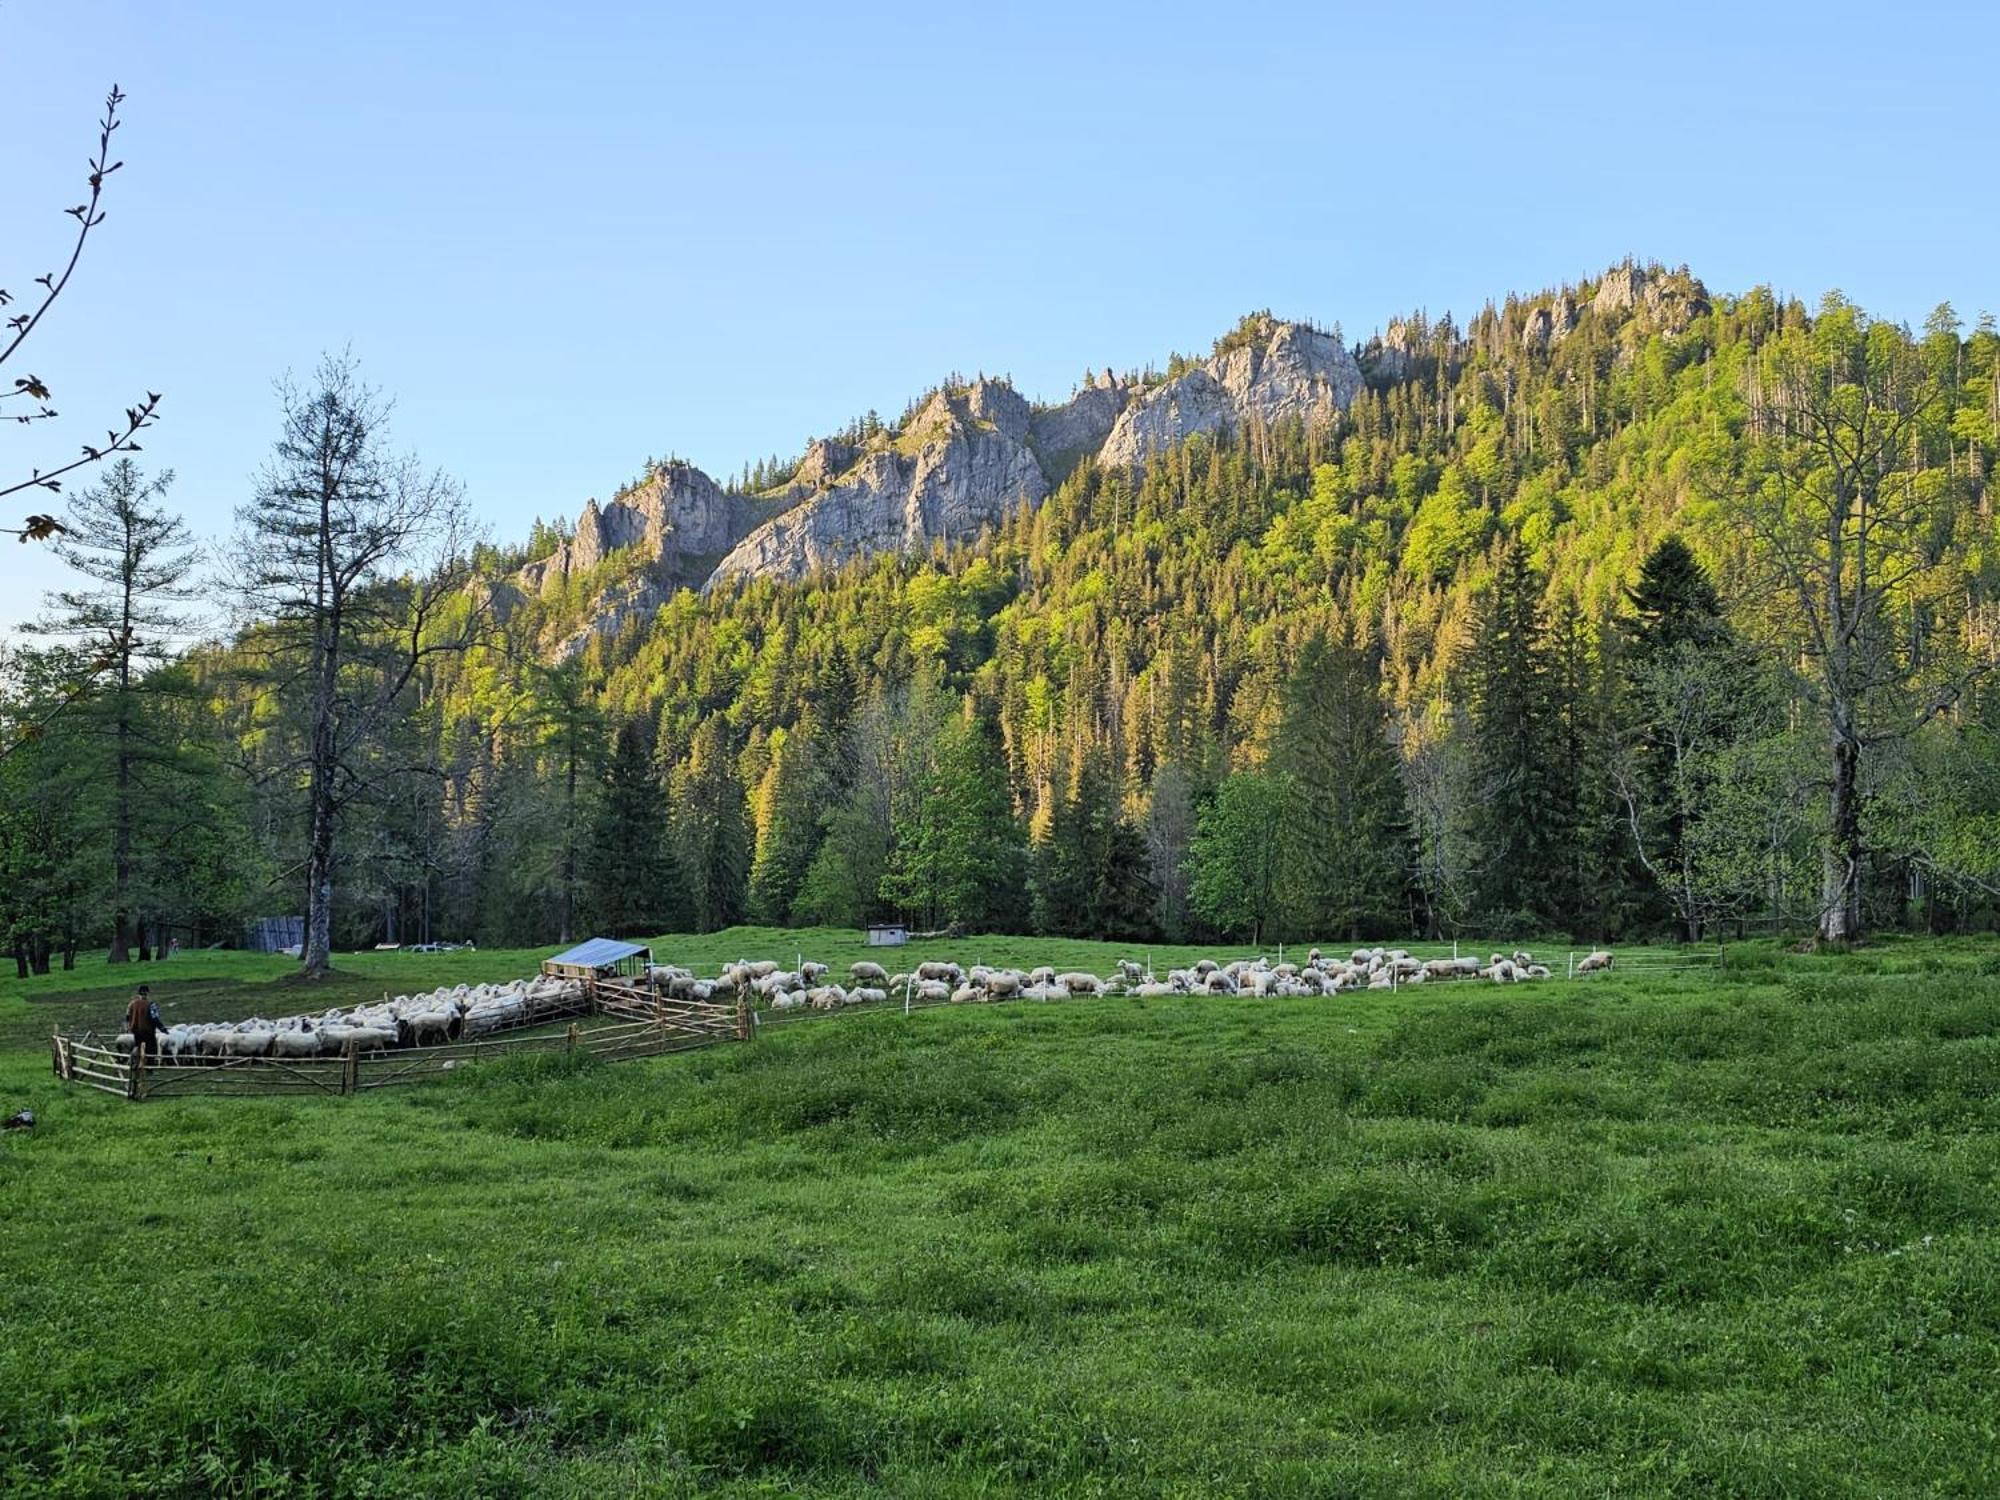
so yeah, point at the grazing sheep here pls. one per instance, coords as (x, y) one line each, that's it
(864, 996)
(965, 994)
(1153, 990)
(937, 969)
(813, 973)
(868, 970)
(932, 991)
(1129, 971)
(1595, 962)
(1002, 983)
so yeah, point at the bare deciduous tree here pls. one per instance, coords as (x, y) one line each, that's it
(353, 560)
(1852, 523)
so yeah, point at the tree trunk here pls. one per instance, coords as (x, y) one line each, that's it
(317, 955)
(121, 807)
(20, 961)
(1840, 890)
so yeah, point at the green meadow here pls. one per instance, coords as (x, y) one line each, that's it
(1724, 1231)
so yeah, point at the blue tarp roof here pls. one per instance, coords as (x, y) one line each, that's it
(595, 953)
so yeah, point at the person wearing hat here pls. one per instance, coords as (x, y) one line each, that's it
(142, 1019)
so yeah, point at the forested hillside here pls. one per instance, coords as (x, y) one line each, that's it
(1623, 608)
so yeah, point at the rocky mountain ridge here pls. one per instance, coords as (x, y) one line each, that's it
(974, 452)
(971, 454)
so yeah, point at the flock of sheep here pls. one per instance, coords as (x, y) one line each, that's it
(464, 1011)
(810, 985)
(441, 1015)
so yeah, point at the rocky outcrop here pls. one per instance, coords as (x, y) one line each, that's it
(968, 458)
(1658, 299)
(1063, 435)
(962, 464)
(1277, 372)
(681, 515)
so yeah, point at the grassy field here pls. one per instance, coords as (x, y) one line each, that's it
(1725, 1232)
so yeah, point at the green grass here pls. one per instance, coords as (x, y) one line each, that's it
(1691, 1234)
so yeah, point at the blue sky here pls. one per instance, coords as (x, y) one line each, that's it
(569, 236)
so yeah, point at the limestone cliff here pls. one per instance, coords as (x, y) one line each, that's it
(970, 456)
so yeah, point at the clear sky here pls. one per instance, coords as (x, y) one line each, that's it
(567, 236)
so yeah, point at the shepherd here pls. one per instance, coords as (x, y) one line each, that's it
(142, 1019)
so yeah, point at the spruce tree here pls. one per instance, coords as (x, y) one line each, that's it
(138, 558)
(1520, 813)
(709, 828)
(632, 884)
(787, 825)
(1345, 836)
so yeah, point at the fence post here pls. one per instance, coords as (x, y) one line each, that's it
(350, 1069)
(135, 1072)
(742, 1019)
(570, 1042)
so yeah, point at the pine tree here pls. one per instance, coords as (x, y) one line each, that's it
(1345, 835)
(139, 557)
(1089, 873)
(710, 832)
(786, 824)
(1518, 779)
(632, 886)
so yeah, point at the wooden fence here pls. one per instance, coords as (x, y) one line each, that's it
(86, 1059)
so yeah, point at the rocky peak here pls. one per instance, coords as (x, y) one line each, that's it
(1656, 297)
(1269, 371)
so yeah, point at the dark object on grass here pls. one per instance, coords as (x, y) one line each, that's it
(22, 1120)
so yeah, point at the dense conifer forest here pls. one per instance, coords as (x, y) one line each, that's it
(1664, 619)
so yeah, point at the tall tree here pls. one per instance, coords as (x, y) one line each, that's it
(710, 831)
(355, 560)
(1852, 521)
(138, 558)
(632, 882)
(1239, 859)
(963, 860)
(1518, 779)
(786, 808)
(1345, 837)
(1687, 692)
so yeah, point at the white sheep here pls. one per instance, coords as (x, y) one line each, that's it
(866, 969)
(1594, 962)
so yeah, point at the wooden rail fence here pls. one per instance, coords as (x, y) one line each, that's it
(674, 1026)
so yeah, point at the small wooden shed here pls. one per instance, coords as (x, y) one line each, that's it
(600, 958)
(888, 935)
